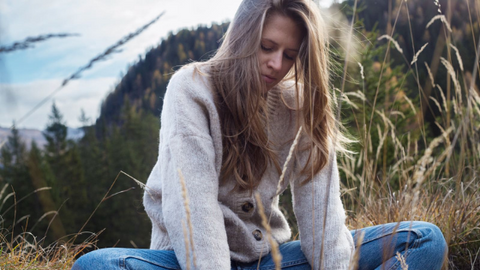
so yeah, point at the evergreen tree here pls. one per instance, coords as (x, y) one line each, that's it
(14, 172)
(56, 134)
(42, 176)
(129, 149)
(69, 187)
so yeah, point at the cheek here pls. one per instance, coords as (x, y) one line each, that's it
(260, 57)
(287, 65)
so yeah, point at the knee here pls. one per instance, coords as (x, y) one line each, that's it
(434, 238)
(434, 233)
(82, 262)
(97, 259)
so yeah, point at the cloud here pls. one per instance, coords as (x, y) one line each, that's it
(30, 75)
(77, 95)
(100, 24)
(34, 73)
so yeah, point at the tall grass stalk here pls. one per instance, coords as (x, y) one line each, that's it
(276, 256)
(428, 179)
(189, 245)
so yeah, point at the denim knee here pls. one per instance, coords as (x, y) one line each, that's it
(97, 259)
(434, 235)
(82, 263)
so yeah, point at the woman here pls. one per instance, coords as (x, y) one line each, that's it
(228, 125)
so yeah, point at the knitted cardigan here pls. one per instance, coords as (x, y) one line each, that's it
(226, 224)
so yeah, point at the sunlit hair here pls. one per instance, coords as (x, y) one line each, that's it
(236, 78)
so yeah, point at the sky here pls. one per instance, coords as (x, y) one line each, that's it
(28, 76)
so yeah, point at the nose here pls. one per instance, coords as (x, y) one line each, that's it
(275, 61)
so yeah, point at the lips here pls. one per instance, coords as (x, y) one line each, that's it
(268, 79)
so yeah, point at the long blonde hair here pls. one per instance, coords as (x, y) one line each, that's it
(235, 76)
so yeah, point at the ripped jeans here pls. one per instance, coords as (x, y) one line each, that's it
(420, 244)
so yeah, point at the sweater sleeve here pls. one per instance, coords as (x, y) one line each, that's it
(194, 157)
(309, 201)
(187, 144)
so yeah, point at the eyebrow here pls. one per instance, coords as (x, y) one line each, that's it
(288, 49)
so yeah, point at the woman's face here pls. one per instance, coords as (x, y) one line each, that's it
(280, 44)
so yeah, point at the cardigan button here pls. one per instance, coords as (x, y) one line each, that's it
(257, 234)
(247, 207)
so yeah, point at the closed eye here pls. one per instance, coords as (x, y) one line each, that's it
(289, 57)
(265, 48)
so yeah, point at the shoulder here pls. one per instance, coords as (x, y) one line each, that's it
(189, 106)
(189, 84)
(191, 76)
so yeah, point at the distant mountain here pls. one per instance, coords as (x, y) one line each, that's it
(28, 135)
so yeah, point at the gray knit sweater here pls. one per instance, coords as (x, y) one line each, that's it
(226, 224)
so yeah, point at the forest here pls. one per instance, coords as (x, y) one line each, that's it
(407, 93)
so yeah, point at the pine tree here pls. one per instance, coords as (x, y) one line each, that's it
(56, 134)
(42, 176)
(63, 158)
(14, 172)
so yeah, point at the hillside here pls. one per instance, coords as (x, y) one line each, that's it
(145, 82)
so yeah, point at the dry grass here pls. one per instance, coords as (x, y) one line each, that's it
(24, 252)
(27, 251)
(187, 234)
(276, 256)
(438, 183)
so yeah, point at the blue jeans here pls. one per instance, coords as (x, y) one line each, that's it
(422, 245)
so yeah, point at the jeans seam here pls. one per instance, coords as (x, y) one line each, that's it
(283, 264)
(121, 263)
(393, 233)
(416, 243)
(148, 261)
(290, 263)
